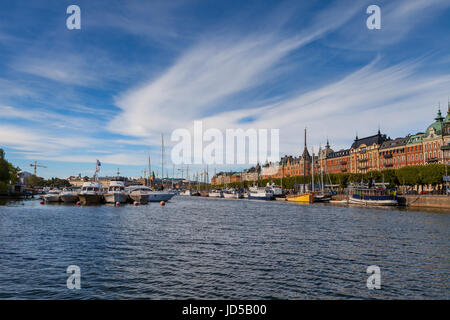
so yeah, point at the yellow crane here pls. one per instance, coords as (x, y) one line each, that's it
(35, 165)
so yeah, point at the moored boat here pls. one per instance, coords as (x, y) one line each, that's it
(92, 193)
(215, 193)
(52, 196)
(277, 190)
(372, 197)
(139, 194)
(69, 195)
(260, 193)
(116, 192)
(232, 194)
(303, 197)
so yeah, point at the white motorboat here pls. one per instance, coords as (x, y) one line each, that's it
(52, 196)
(277, 190)
(116, 192)
(143, 194)
(215, 193)
(260, 193)
(232, 194)
(69, 195)
(92, 193)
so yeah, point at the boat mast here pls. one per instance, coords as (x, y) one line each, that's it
(149, 170)
(321, 168)
(312, 172)
(162, 160)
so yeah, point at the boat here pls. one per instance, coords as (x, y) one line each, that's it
(69, 195)
(277, 190)
(139, 194)
(158, 196)
(322, 197)
(215, 193)
(260, 193)
(143, 194)
(92, 193)
(307, 197)
(372, 197)
(116, 192)
(52, 196)
(232, 194)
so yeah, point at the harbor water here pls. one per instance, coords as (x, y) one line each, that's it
(200, 248)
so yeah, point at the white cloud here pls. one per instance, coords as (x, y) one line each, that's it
(215, 69)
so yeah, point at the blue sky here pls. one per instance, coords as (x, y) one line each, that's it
(137, 69)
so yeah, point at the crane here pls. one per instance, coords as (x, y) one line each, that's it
(36, 165)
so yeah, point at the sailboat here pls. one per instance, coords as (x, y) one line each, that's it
(321, 196)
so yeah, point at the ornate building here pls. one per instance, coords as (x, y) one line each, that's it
(364, 153)
(433, 140)
(414, 150)
(393, 154)
(376, 152)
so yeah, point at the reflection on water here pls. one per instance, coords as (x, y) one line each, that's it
(221, 249)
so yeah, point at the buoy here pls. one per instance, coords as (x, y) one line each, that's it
(162, 203)
(42, 202)
(78, 203)
(117, 203)
(136, 203)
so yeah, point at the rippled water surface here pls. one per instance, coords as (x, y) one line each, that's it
(221, 249)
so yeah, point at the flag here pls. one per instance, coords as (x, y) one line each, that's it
(97, 168)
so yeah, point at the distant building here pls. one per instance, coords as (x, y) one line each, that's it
(364, 153)
(393, 154)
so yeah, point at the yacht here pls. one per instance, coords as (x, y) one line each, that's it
(143, 195)
(139, 194)
(187, 192)
(52, 196)
(92, 193)
(277, 190)
(69, 195)
(232, 194)
(116, 192)
(215, 193)
(260, 193)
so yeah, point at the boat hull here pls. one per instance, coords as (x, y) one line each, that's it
(158, 197)
(233, 195)
(115, 197)
(304, 198)
(368, 202)
(139, 197)
(52, 198)
(260, 197)
(69, 198)
(87, 199)
(215, 195)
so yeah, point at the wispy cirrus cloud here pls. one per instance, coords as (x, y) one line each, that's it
(210, 72)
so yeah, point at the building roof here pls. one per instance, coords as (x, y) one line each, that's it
(368, 141)
(398, 142)
(338, 154)
(436, 125)
(416, 138)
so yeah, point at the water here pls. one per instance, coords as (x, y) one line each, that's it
(203, 248)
